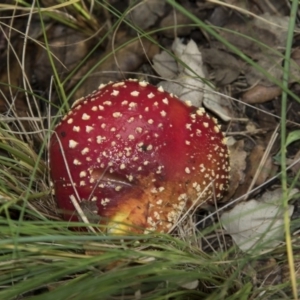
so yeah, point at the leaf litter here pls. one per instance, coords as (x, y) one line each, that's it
(185, 60)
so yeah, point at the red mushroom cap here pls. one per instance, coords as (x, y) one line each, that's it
(135, 154)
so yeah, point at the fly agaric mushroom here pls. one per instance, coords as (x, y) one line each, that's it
(137, 157)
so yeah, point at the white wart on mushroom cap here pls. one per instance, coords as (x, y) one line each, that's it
(138, 156)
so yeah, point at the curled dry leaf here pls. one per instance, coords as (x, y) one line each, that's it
(237, 165)
(189, 82)
(253, 164)
(258, 225)
(265, 170)
(217, 104)
(261, 94)
(269, 169)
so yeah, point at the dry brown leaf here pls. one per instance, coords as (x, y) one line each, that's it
(266, 169)
(237, 164)
(253, 163)
(261, 94)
